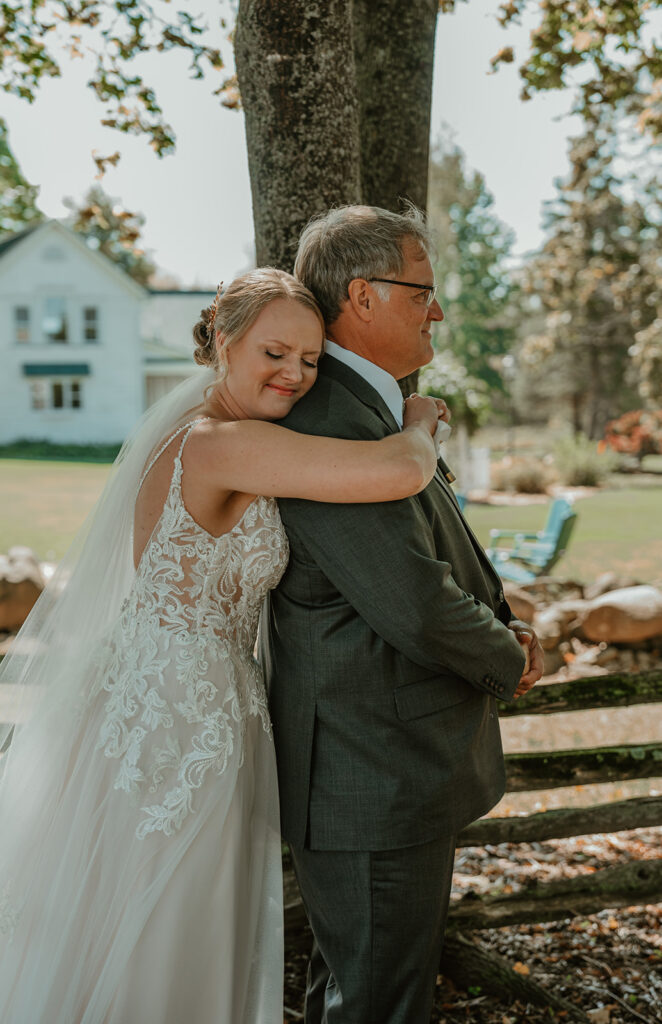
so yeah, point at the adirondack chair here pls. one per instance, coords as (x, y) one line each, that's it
(533, 554)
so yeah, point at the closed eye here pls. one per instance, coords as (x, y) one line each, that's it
(279, 355)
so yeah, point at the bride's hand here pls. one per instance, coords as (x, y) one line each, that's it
(425, 411)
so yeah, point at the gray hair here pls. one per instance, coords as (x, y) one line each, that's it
(355, 241)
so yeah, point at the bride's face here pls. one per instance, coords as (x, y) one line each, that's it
(275, 362)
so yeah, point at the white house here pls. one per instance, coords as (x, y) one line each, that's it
(83, 348)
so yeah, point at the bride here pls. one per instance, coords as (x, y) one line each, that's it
(140, 871)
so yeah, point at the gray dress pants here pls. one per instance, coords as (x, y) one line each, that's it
(378, 922)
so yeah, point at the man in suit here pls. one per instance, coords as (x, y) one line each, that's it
(385, 648)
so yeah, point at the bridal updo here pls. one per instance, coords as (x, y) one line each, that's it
(238, 307)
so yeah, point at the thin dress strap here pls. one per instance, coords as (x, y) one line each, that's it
(165, 444)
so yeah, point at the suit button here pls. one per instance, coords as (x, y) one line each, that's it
(500, 689)
(501, 596)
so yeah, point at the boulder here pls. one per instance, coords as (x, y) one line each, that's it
(623, 616)
(21, 583)
(522, 604)
(607, 581)
(557, 622)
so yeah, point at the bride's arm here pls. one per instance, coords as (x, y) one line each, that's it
(257, 457)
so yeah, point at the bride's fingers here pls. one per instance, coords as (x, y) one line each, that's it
(444, 411)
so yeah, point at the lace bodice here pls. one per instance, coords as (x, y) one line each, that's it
(191, 582)
(179, 666)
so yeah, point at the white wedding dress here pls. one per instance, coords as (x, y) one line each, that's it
(148, 888)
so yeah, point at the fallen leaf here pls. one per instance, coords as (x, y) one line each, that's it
(600, 1016)
(521, 968)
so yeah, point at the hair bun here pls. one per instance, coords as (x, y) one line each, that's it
(205, 350)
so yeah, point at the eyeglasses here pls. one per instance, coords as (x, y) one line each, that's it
(431, 289)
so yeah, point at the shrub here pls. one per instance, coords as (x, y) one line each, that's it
(26, 449)
(580, 462)
(522, 474)
(467, 397)
(635, 433)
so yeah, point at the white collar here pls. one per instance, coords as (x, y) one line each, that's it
(381, 380)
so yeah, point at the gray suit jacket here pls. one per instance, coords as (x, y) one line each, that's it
(384, 647)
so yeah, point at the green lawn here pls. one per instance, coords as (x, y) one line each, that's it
(618, 530)
(43, 503)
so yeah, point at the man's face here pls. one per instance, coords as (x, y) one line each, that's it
(401, 340)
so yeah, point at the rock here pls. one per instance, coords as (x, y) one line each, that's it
(623, 616)
(522, 605)
(21, 583)
(605, 582)
(551, 588)
(554, 660)
(557, 622)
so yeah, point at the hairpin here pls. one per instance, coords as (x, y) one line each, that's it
(212, 312)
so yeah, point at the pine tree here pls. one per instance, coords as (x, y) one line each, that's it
(475, 287)
(596, 284)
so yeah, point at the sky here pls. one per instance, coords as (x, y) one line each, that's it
(197, 204)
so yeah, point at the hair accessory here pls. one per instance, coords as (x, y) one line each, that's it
(212, 312)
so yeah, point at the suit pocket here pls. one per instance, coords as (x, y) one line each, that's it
(428, 696)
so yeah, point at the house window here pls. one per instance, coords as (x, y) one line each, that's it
(55, 320)
(56, 394)
(39, 394)
(91, 324)
(21, 324)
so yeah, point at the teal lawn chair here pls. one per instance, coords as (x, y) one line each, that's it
(533, 554)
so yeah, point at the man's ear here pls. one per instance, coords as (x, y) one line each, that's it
(361, 299)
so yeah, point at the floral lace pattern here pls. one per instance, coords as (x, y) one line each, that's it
(178, 667)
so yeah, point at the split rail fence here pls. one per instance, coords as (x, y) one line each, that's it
(636, 883)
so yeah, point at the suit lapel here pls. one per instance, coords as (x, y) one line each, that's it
(354, 382)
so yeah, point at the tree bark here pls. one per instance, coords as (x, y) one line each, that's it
(555, 768)
(640, 812)
(394, 51)
(619, 690)
(626, 885)
(296, 74)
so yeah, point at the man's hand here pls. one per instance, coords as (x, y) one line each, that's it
(534, 665)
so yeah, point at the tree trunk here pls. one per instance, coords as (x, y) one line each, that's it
(394, 50)
(639, 812)
(619, 690)
(554, 768)
(296, 74)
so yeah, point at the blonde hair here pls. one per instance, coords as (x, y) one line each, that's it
(239, 306)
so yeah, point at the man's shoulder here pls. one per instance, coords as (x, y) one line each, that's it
(329, 408)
